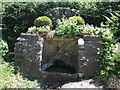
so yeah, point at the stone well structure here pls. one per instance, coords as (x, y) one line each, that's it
(34, 54)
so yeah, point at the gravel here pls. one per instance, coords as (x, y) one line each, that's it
(82, 84)
(90, 83)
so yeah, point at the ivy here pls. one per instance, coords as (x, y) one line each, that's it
(109, 59)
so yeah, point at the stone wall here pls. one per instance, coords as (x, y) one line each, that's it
(33, 53)
(88, 57)
(28, 54)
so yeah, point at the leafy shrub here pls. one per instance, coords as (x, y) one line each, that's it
(114, 24)
(17, 17)
(42, 29)
(3, 50)
(43, 21)
(79, 19)
(67, 28)
(88, 29)
(109, 59)
(32, 30)
(114, 81)
(10, 80)
(51, 34)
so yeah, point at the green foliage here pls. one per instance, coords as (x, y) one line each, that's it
(67, 28)
(10, 80)
(109, 60)
(43, 29)
(79, 19)
(32, 30)
(43, 21)
(81, 76)
(114, 24)
(114, 81)
(18, 16)
(3, 50)
(107, 35)
(117, 63)
(88, 29)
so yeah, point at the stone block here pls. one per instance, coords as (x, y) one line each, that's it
(58, 77)
(27, 54)
(88, 57)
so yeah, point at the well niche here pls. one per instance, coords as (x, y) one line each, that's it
(60, 60)
(60, 55)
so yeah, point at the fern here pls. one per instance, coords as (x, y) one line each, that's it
(114, 25)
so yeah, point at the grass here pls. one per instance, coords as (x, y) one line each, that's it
(8, 78)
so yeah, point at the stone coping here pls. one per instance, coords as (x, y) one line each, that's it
(91, 36)
(56, 73)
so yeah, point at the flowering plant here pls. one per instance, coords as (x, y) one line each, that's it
(32, 29)
(42, 29)
(88, 29)
(67, 28)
